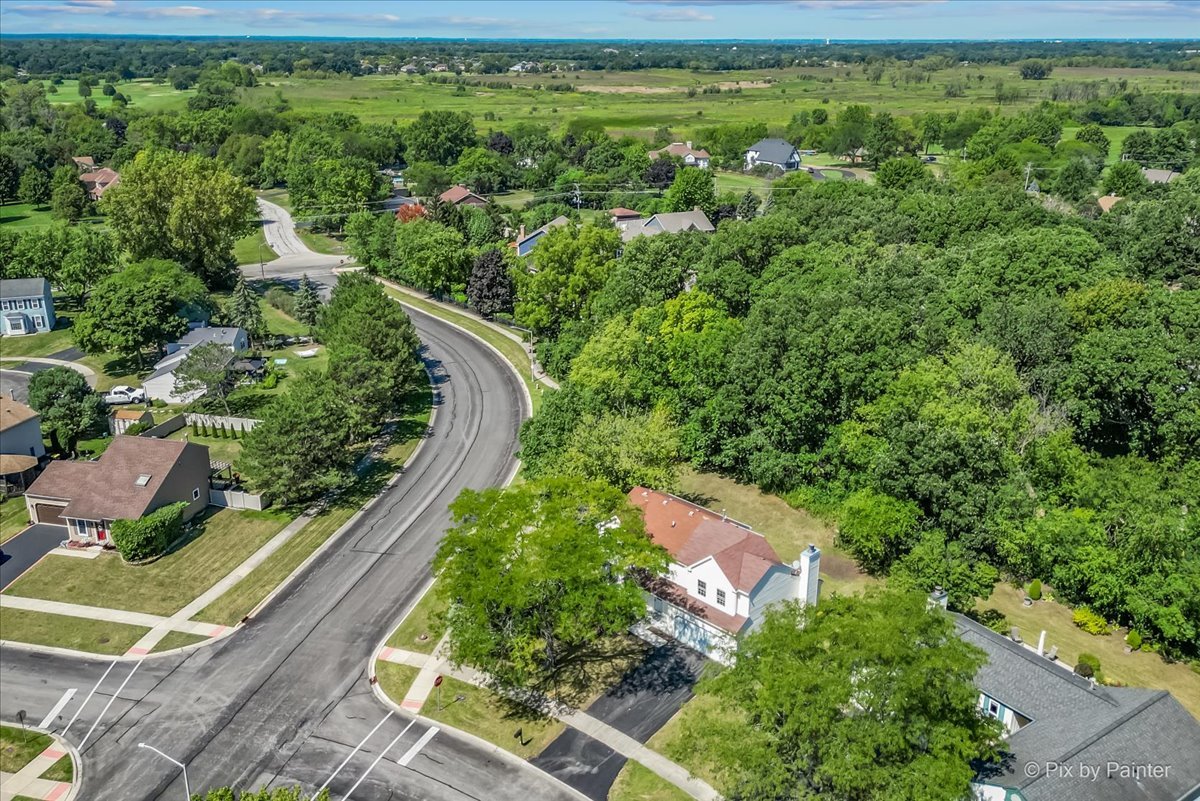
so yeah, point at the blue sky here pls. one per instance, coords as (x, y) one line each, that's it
(601, 19)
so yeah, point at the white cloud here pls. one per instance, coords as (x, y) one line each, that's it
(111, 8)
(674, 15)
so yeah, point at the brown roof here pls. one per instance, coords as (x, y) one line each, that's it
(84, 161)
(691, 534)
(457, 194)
(621, 213)
(130, 414)
(98, 181)
(107, 489)
(672, 593)
(679, 149)
(13, 413)
(16, 463)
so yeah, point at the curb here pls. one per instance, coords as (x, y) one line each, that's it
(76, 760)
(478, 742)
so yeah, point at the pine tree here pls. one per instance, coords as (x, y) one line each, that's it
(244, 310)
(748, 206)
(195, 427)
(307, 303)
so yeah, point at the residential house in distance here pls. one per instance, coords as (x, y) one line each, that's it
(160, 384)
(665, 223)
(84, 163)
(525, 242)
(26, 306)
(692, 157)
(21, 446)
(773, 152)
(723, 575)
(621, 214)
(1159, 176)
(97, 182)
(133, 477)
(1107, 202)
(1136, 743)
(121, 420)
(461, 196)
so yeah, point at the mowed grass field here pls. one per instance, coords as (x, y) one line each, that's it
(639, 102)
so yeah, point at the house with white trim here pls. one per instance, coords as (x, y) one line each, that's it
(26, 306)
(723, 574)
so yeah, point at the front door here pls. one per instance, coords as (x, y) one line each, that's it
(102, 531)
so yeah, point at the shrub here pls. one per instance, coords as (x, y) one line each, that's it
(1088, 666)
(1091, 622)
(137, 540)
(1035, 589)
(271, 381)
(195, 428)
(1133, 640)
(137, 428)
(1084, 669)
(994, 619)
(281, 299)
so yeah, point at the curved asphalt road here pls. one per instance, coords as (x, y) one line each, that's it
(286, 699)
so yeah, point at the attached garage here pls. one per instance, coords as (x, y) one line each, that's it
(48, 513)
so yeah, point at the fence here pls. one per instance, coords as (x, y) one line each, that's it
(239, 424)
(232, 499)
(166, 427)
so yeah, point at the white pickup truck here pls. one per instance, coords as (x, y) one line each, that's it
(122, 394)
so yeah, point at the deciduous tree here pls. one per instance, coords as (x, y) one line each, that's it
(490, 287)
(69, 408)
(205, 371)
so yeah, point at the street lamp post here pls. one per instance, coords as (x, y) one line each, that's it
(187, 788)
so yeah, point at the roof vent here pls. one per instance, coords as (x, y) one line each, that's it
(143, 480)
(672, 524)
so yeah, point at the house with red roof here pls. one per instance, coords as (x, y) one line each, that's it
(691, 156)
(723, 574)
(461, 196)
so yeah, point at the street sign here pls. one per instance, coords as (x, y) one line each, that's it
(437, 682)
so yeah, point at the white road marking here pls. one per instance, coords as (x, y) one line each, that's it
(357, 748)
(377, 759)
(89, 697)
(104, 711)
(66, 698)
(417, 746)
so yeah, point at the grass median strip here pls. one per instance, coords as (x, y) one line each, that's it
(395, 679)
(221, 540)
(61, 631)
(636, 783)
(61, 771)
(18, 747)
(423, 627)
(485, 714)
(513, 351)
(247, 593)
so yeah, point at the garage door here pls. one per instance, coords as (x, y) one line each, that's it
(49, 513)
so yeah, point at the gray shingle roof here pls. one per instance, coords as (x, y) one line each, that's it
(23, 287)
(775, 151)
(1074, 723)
(200, 336)
(666, 223)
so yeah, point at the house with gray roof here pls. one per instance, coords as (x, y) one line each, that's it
(665, 223)
(525, 242)
(773, 152)
(1156, 176)
(1069, 739)
(160, 384)
(26, 306)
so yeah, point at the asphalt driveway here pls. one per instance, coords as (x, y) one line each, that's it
(24, 550)
(645, 699)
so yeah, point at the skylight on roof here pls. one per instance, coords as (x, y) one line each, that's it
(143, 480)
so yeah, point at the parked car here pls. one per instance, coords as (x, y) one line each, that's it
(929, 159)
(124, 394)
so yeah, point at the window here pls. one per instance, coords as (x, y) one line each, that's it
(701, 589)
(720, 597)
(196, 494)
(993, 708)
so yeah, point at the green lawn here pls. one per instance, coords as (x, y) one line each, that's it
(422, 621)
(279, 197)
(221, 540)
(672, 741)
(240, 599)
(142, 94)
(395, 679)
(13, 518)
(321, 243)
(513, 351)
(279, 322)
(485, 714)
(61, 631)
(789, 530)
(177, 639)
(515, 199)
(18, 747)
(18, 216)
(61, 771)
(738, 183)
(220, 449)
(38, 344)
(1116, 136)
(636, 783)
(1138, 669)
(253, 248)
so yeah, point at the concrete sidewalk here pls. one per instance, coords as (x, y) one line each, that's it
(433, 664)
(111, 615)
(183, 618)
(26, 784)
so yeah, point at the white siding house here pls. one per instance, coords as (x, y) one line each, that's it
(26, 306)
(722, 578)
(160, 385)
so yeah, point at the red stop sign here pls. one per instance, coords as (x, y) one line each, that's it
(437, 682)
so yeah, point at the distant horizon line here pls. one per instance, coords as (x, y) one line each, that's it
(467, 39)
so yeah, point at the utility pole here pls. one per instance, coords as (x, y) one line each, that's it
(577, 198)
(1028, 169)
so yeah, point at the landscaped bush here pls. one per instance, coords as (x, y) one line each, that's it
(138, 540)
(994, 619)
(1091, 622)
(281, 299)
(1088, 666)
(137, 428)
(1133, 640)
(271, 381)
(1035, 589)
